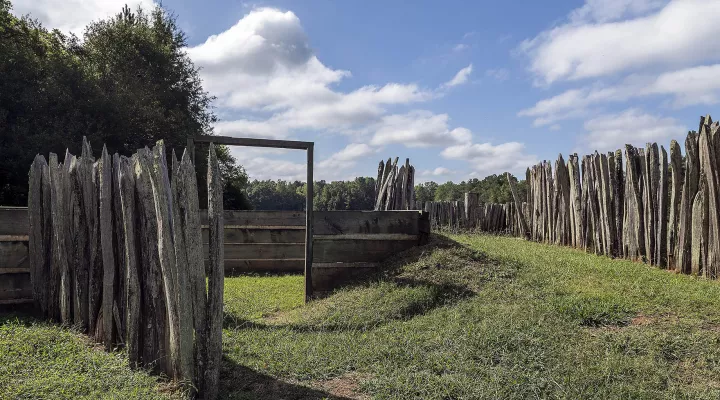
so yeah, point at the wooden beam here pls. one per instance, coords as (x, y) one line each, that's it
(252, 142)
(309, 224)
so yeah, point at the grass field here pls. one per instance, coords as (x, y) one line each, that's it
(469, 317)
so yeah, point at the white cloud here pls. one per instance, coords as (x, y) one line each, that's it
(460, 78)
(263, 168)
(499, 74)
(460, 47)
(74, 15)
(439, 171)
(247, 128)
(487, 158)
(265, 65)
(584, 48)
(347, 157)
(689, 86)
(612, 131)
(417, 129)
(612, 10)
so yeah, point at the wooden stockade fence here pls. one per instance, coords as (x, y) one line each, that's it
(395, 188)
(459, 215)
(115, 249)
(663, 209)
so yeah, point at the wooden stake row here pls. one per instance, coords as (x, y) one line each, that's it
(662, 210)
(395, 188)
(458, 215)
(116, 251)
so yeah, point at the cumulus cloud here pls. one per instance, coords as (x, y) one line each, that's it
(612, 131)
(686, 87)
(262, 168)
(439, 171)
(74, 15)
(347, 157)
(487, 158)
(460, 78)
(418, 129)
(264, 65)
(460, 47)
(613, 10)
(593, 44)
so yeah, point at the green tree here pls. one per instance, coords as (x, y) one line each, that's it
(128, 84)
(425, 192)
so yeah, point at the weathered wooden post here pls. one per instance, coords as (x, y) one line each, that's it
(676, 181)
(216, 277)
(518, 207)
(108, 255)
(690, 188)
(708, 168)
(633, 231)
(132, 276)
(189, 229)
(36, 238)
(471, 209)
(699, 232)
(576, 227)
(154, 325)
(661, 211)
(618, 180)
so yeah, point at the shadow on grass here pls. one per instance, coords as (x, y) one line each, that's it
(240, 382)
(406, 285)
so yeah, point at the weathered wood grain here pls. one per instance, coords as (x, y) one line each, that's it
(36, 237)
(690, 187)
(133, 296)
(60, 270)
(662, 210)
(95, 275)
(518, 207)
(619, 199)
(162, 198)
(215, 277)
(708, 169)
(633, 230)
(699, 232)
(119, 248)
(576, 227)
(154, 316)
(675, 189)
(186, 226)
(108, 253)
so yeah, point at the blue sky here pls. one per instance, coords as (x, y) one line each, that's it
(462, 88)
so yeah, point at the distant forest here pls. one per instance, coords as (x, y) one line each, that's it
(359, 194)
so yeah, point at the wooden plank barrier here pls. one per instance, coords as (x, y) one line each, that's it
(346, 243)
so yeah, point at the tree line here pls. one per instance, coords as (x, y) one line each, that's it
(359, 194)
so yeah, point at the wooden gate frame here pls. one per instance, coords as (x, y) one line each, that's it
(277, 144)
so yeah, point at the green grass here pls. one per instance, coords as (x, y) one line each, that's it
(466, 317)
(486, 317)
(44, 361)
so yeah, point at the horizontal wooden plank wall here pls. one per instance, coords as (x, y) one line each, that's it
(346, 244)
(14, 265)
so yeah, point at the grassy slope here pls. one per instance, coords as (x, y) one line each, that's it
(491, 317)
(43, 361)
(500, 318)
